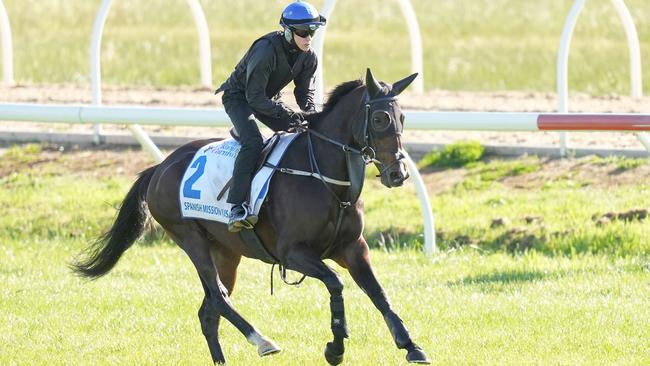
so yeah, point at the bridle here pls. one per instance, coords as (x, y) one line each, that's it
(367, 141)
(364, 138)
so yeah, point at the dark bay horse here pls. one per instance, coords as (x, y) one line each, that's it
(303, 221)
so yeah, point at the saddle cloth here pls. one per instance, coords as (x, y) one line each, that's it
(211, 169)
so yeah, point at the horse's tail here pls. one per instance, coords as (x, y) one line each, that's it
(131, 219)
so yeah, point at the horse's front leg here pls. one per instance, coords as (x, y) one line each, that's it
(309, 263)
(357, 260)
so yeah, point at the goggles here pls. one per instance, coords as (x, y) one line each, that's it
(303, 32)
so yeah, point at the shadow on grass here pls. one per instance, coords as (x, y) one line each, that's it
(507, 277)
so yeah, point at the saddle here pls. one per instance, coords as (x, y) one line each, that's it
(269, 144)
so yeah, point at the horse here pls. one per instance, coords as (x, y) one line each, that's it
(303, 221)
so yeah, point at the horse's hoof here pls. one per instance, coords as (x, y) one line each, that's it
(333, 354)
(417, 355)
(267, 347)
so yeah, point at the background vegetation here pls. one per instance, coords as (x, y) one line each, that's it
(468, 45)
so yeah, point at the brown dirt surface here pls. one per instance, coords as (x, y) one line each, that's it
(438, 100)
(574, 172)
(107, 163)
(87, 162)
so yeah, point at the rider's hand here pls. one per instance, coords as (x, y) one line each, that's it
(297, 122)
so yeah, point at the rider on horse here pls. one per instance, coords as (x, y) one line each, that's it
(251, 93)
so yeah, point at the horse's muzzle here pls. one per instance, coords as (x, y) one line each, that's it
(395, 175)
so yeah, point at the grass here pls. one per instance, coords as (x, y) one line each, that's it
(575, 298)
(454, 155)
(567, 211)
(462, 307)
(468, 45)
(622, 163)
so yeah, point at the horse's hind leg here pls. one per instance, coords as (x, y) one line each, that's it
(209, 318)
(305, 261)
(216, 302)
(357, 261)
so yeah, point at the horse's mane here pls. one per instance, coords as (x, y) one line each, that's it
(337, 94)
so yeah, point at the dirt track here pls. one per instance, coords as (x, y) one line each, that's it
(432, 100)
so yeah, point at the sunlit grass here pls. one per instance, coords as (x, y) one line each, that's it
(461, 307)
(468, 45)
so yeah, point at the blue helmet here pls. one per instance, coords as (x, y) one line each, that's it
(301, 15)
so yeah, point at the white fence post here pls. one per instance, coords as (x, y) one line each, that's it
(95, 66)
(425, 206)
(414, 36)
(562, 66)
(205, 55)
(7, 47)
(319, 41)
(563, 61)
(95, 61)
(416, 44)
(636, 79)
(96, 81)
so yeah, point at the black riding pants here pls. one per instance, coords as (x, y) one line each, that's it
(243, 118)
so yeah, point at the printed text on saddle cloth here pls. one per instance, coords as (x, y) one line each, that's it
(210, 171)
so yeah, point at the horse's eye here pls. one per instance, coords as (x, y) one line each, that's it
(380, 120)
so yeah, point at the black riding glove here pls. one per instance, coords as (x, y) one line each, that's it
(297, 122)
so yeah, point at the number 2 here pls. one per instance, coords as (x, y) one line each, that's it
(199, 164)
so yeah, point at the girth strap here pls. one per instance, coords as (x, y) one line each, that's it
(253, 241)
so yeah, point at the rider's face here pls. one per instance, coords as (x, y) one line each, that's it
(304, 43)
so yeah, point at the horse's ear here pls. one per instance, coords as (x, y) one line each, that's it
(399, 86)
(372, 84)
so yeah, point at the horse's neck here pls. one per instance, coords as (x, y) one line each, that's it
(337, 124)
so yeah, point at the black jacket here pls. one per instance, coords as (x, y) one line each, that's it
(265, 70)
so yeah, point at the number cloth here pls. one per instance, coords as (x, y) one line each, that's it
(210, 170)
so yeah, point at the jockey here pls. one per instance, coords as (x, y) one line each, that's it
(252, 91)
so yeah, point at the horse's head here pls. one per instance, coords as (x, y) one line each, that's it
(378, 132)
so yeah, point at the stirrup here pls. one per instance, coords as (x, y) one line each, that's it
(245, 222)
